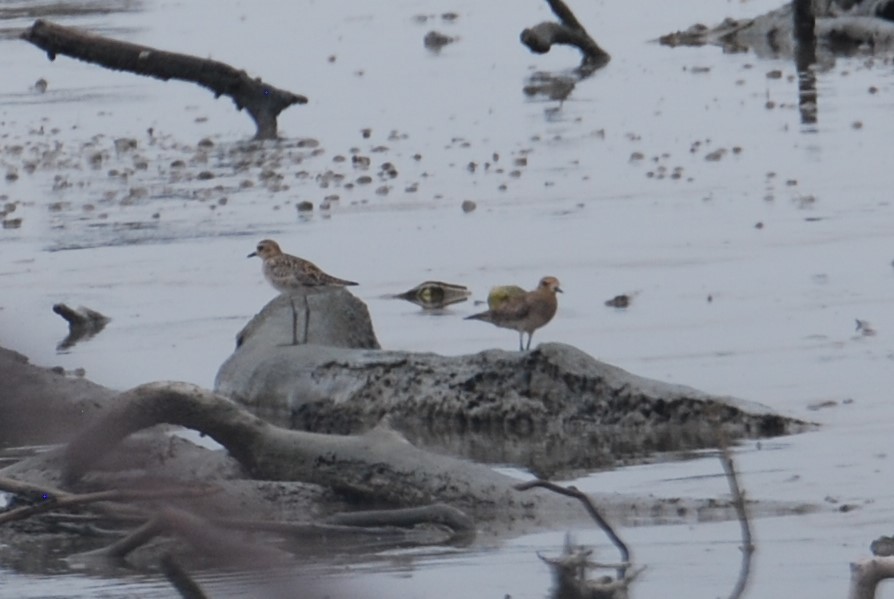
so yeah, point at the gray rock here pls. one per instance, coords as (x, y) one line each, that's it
(552, 408)
(321, 316)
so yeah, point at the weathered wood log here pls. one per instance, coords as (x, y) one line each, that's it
(379, 467)
(83, 323)
(867, 574)
(567, 31)
(262, 101)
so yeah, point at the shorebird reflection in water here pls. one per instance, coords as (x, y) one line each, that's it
(522, 311)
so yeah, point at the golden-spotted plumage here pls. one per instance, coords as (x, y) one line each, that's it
(286, 272)
(523, 312)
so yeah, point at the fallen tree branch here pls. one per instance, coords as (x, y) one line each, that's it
(377, 467)
(867, 574)
(567, 31)
(83, 324)
(591, 509)
(61, 500)
(263, 102)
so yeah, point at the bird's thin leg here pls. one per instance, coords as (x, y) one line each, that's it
(530, 336)
(306, 319)
(294, 321)
(521, 341)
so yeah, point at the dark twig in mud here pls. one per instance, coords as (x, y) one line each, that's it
(48, 499)
(223, 546)
(747, 548)
(180, 578)
(262, 101)
(591, 509)
(568, 31)
(83, 324)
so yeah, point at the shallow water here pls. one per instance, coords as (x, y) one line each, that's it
(765, 313)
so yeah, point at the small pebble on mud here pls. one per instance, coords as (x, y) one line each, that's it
(434, 40)
(366, 132)
(12, 223)
(774, 74)
(304, 206)
(469, 206)
(619, 301)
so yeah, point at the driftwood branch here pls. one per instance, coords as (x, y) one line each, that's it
(747, 548)
(262, 101)
(377, 467)
(83, 323)
(867, 574)
(567, 31)
(54, 499)
(575, 493)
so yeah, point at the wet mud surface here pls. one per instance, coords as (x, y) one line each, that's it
(686, 179)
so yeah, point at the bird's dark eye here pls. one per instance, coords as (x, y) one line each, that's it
(260, 248)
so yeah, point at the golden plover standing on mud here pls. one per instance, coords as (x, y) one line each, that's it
(286, 272)
(522, 311)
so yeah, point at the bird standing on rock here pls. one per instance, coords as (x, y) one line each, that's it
(286, 272)
(522, 311)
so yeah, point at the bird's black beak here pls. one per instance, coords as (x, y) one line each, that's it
(559, 290)
(252, 255)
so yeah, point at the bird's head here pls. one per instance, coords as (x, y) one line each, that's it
(266, 249)
(550, 284)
